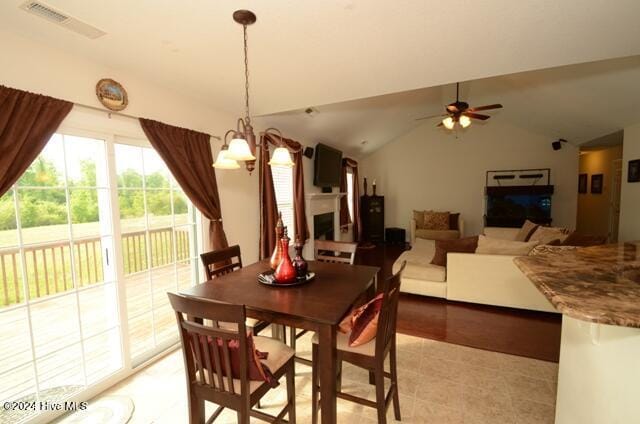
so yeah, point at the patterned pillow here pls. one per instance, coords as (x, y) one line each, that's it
(546, 249)
(436, 220)
(418, 216)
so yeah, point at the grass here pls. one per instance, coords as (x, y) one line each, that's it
(49, 270)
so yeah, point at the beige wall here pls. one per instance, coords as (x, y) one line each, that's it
(30, 66)
(430, 169)
(630, 196)
(594, 209)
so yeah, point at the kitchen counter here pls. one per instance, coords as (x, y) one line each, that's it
(598, 284)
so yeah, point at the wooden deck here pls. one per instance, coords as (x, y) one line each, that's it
(61, 343)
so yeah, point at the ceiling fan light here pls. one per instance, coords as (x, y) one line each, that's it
(465, 121)
(223, 162)
(281, 158)
(448, 122)
(239, 150)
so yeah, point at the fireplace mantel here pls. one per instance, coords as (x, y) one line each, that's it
(320, 203)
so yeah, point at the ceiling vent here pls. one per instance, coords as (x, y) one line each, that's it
(52, 15)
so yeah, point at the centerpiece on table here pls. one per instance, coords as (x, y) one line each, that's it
(286, 272)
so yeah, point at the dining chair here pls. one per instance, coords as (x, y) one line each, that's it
(209, 371)
(218, 263)
(332, 252)
(371, 356)
(335, 251)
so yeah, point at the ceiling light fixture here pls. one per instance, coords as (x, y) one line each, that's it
(243, 144)
(448, 122)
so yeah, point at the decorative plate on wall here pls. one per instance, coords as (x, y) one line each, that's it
(111, 94)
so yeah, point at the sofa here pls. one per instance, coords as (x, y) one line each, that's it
(436, 234)
(470, 277)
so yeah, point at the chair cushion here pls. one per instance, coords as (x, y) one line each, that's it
(438, 234)
(278, 355)
(249, 322)
(342, 343)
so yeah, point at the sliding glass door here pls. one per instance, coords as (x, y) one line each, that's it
(92, 236)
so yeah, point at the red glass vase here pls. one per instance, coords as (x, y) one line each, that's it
(276, 257)
(285, 272)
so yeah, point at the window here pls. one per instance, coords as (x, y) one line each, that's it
(283, 186)
(350, 193)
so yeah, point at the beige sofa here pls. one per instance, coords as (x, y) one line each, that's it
(436, 234)
(470, 277)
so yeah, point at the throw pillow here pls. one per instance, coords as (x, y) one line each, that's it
(494, 246)
(418, 216)
(463, 245)
(526, 231)
(364, 322)
(583, 240)
(453, 221)
(544, 235)
(436, 220)
(257, 370)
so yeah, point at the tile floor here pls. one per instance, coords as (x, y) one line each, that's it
(439, 383)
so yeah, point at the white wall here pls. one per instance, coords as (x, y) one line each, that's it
(630, 195)
(31, 66)
(430, 169)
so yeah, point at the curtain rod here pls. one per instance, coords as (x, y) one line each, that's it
(124, 115)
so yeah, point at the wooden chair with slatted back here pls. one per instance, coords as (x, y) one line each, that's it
(370, 356)
(335, 251)
(224, 261)
(208, 368)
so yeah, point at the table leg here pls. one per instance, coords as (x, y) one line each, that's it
(327, 369)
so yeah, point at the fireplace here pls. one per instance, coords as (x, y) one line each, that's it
(323, 226)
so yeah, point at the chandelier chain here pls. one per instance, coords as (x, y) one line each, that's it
(246, 77)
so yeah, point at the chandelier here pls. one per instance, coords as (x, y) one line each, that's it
(242, 146)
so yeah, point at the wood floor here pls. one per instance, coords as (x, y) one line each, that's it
(513, 331)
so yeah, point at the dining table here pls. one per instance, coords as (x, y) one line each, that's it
(318, 305)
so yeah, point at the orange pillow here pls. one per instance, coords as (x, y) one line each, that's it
(364, 322)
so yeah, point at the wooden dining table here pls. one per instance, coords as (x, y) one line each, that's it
(317, 306)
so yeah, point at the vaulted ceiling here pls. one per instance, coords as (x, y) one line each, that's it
(305, 53)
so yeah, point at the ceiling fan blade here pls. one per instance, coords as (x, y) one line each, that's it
(476, 116)
(440, 125)
(432, 116)
(487, 107)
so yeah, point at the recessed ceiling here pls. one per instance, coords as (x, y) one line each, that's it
(305, 53)
(577, 102)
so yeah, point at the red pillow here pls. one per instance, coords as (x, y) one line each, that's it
(364, 322)
(257, 370)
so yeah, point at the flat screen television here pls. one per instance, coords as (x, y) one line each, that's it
(511, 206)
(327, 166)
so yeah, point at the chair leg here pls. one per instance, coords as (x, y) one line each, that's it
(196, 410)
(339, 368)
(372, 378)
(243, 416)
(394, 383)
(380, 403)
(291, 391)
(314, 384)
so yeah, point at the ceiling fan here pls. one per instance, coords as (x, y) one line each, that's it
(460, 112)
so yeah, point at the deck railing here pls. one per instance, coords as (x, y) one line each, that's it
(49, 265)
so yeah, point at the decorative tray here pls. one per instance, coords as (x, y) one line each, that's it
(267, 278)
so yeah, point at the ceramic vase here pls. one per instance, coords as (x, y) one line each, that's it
(301, 266)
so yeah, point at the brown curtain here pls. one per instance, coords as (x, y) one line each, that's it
(300, 216)
(188, 156)
(27, 122)
(268, 206)
(345, 219)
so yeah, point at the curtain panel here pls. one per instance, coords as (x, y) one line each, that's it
(299, 207)
(188, 156)
(268, 204)
(27, 122)
(345, 219)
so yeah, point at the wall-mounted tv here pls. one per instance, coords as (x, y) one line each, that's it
(327, 166)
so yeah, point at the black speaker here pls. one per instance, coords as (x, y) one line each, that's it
(308, 152)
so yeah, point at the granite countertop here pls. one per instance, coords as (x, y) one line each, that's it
(597, 284)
